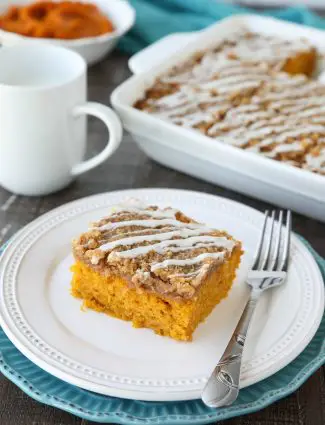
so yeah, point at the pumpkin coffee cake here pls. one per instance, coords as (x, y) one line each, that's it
(250, 91)
(154, 267)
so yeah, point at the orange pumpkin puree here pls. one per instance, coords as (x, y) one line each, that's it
(61, 20)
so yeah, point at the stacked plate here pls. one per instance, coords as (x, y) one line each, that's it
(54, 344)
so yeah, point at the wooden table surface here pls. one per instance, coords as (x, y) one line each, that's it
(130, 168)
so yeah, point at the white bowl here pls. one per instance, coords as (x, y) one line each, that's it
(92, 49)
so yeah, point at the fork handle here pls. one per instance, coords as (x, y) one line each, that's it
(223, 385)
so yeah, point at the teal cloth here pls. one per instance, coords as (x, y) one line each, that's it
(158, 18)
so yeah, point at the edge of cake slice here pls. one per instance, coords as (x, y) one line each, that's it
(155, 267)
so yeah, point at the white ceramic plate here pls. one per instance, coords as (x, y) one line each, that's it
(107, 355)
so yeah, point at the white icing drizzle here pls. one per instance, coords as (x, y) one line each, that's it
(247, 70)
(166, 235)
(148, 238)
(278, 134)
(308, 112)
(289, 147)
(316, 162)
(175, 99)
(303, 130)
(148, 223)
(294, 105)
(194, 119)
(167, 213)
(317, 120)
(231, 83)
(239, 87)
(244, 119)
(291, 93)
(185, 233)
(187, 261)
(184, 108)
(176, 245)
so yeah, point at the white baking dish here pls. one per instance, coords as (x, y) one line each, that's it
(203, 157)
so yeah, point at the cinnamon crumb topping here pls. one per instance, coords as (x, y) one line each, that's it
(158, 249)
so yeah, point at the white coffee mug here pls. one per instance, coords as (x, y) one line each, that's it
(42, 119)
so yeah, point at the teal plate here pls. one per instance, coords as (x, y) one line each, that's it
(47, 389)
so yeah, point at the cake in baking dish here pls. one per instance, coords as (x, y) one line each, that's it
(253, 92)
(154, 267)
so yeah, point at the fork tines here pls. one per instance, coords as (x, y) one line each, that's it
(273, 249)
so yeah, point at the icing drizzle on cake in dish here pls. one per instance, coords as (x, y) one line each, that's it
(239, 94)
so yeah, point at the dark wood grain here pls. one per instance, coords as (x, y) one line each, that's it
(130, 168)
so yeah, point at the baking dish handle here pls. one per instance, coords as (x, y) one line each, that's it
(158, 51)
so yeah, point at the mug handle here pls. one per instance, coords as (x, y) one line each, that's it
(112, 122)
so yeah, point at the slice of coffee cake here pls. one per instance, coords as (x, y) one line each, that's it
(155, 267)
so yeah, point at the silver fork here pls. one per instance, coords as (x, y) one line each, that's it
(269, 269)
